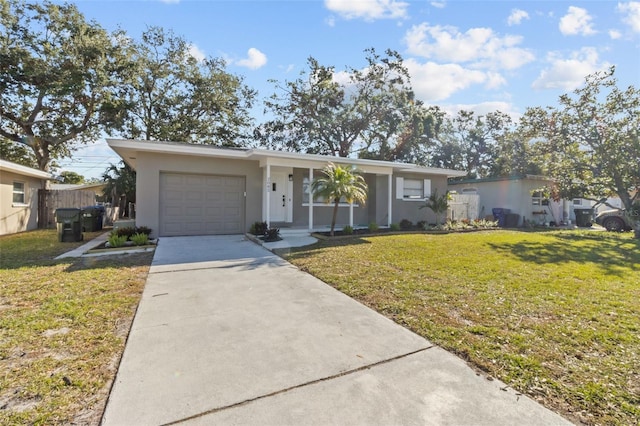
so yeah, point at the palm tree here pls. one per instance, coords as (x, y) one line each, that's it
(437, 204)
(338, 183)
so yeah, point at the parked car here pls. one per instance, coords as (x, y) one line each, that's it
(615, 220)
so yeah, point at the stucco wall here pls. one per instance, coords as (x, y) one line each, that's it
(18, 218)
(410, 209)
(150, 165)
(513, 194)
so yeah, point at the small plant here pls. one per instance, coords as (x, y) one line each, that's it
(125, 232)
(406, 224)
(347, 230)
(139, 239)
(395, 227)
(116, 240)
(373, 227)
(272, 234)
(143, 230)
(422, 225)
(258, 228)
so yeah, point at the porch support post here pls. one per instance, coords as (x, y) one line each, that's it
(310, 199)
(390, 199)
(351, 215)
(267, 193)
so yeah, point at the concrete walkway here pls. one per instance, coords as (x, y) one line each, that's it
(228, 333)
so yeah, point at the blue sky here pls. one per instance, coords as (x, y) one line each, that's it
(479, 55)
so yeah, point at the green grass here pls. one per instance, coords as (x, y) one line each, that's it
(63, 326)
(556, 315)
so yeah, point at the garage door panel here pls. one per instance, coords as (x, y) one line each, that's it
(201, 204)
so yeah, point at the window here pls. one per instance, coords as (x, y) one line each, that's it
(412, 189)
(577, 201)
(538, 199)
(317, 200)
(18, 193)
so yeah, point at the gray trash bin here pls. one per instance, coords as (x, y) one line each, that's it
(69, 225)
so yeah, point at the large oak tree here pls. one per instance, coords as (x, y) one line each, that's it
(590, 144)
(62, 78)
(359, 112)
(178, 97)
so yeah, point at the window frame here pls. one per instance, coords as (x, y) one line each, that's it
(317, 200)
(22, 193)
(538, 199)
(425, 188)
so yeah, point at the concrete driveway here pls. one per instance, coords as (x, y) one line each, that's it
(228, 333)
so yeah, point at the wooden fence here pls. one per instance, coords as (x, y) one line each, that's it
(50, 200)
(464, 206)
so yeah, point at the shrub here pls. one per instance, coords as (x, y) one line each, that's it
(116, 240)
(406, 224)
(143, 230)
(140, 239)
(258, 228)
(373, 227)
(125, 232)
(422, 225)
(272, 234)
(396, 227)
(347, 230)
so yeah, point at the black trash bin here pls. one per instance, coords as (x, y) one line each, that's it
(69, 225)
(500, 215)
(92, 217)
(584, 217)
(511, 220)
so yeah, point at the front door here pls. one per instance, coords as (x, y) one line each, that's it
(278, 202)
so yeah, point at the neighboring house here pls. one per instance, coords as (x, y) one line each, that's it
(97, 187)
(519, 194)
(19, 187)
(187, 189)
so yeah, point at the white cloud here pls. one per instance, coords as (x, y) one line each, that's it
(434, 82)
(577, 21)
(439, 4)
(632, 12)
(369, 10)
(569, 73)
(615, 34)
(170, 1)
(255, 59)
(198, 54)
(483, 108)
(516, 17)
(480, 47)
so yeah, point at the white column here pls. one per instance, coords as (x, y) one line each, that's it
(390, 200)
(351, 215)
(310, 199)
(267, 192)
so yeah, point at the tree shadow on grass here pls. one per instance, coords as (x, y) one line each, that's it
(613, 255)
(307, 251)
(107, 262)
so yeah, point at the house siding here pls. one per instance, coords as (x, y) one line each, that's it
(410, 209)
(18, 218)
(150, 165)
(515, 195)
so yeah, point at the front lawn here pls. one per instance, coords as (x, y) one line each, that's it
(555, 315)
(63, 326)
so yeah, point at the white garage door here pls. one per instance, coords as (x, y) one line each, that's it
(201, 204)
